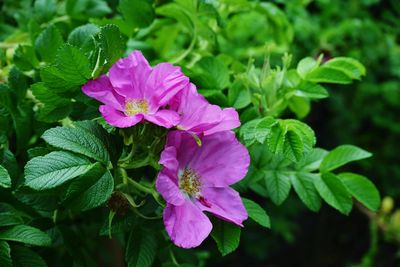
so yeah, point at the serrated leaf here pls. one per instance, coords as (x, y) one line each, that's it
(352, 67)
(256, 212)
(112, 43)
(263, 128)
(54, 169)
(5, 179)
(361, 189)
(278, 186)
(276, 138)
(48, 42)
(77, 140)
(97, 194)
(342, 155)
(325, 74)
(83, 37)
(331, 189)
(5, 254)
(226, 235)
(25, 257)
(52, 107)
(293, 146)
(138, 13)
(304, 186)
(71, 70)
(27, 235)
(141, 248)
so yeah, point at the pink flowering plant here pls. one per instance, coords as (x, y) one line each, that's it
(146, 138)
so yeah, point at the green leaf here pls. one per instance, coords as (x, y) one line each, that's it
(48, 42)
(325, 74)
(70, 71)
(211, 73)
(54, 169)
(352, 67)
(333, 192)
(25, 257)
(52, 107)
(304, 186)
(25, 58)
(239, 96)
(312, 160)
(5, 255)
(226, 235)
(97, 194)
(79, 141)
(9, 215)
(361, 189)
(306, 65)
(27, 235)
(112, 43)
(276, 138)
(18, 82)
(5, 180)
(342, 155)
(141, 248)
(138, 13)
(83, 37)
(278, 186)
(293, 146)
(44, 10)
(311, 90)
(257, 213)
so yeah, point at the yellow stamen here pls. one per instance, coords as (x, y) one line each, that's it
(135, 106)
(189, 183)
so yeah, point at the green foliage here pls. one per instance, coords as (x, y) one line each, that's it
(141, 248)
(256, 212)
(26, 234)
(226, 235)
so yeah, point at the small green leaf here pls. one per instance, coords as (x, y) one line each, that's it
(25, 58)
(138, 13)
(293, 146)
(361, 189)
(333, 192)
(54, 169)
(306, 65)
(352, 67)
(311, 90)
(211, 73)
(278, 186)
(5, 180)
(141, 248)
(276, 138)
(83, 37)
(256, 212)
(79, 141)
(27, 235)
(5, 255)
(112, 43)
(325, 74)
(48, 42)
(9, 215)
(304, 186)
(226, 235)
(342, 155)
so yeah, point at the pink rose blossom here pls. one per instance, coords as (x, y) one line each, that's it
(133, 92)
(200, 117)
(197, 179)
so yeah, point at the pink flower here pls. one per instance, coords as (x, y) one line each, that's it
(200, 117)
(133, 91)
(197, 179)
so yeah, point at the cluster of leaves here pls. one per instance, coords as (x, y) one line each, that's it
(55, 180)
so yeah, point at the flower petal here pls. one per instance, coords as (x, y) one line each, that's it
(117, 118)
(186, 225)
(229, 120)
(225, 203)
(169, 188)
(102, 90)
(129, 75)
(164, 82)
(185, 146)
(221, 160)
(165, 118)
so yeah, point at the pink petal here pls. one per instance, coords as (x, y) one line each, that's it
(164, 82)
(169, 188)
(221, 160)
(165, 118)
(225, 203)
(101, 89)
(129, 75)
(117, 118)
(185, 145)
(229, 120)
(186, 225)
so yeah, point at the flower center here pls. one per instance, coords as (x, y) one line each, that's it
(189, 183)
(135, 106)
